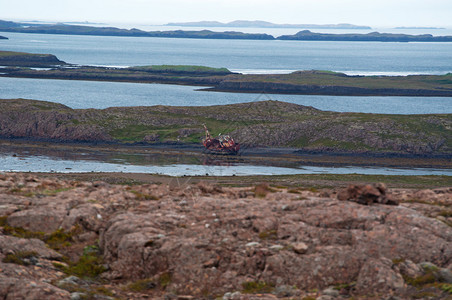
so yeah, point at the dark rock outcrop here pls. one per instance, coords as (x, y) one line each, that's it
(367, 194)
(29, 60)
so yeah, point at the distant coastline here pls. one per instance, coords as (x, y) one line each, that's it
(264, 24)
(3, 37)
(419, 27)
(304, 35)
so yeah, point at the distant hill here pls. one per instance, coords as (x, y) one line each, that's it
(264, 24)
(307, 35)
(3, 37)
(9, 24)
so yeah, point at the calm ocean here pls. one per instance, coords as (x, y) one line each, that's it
(241, 55)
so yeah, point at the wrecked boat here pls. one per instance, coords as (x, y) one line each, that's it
(222, 144)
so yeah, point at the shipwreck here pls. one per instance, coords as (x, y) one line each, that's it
(222, 144)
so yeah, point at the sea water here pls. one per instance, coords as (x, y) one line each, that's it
(92, 94)
(248, 56)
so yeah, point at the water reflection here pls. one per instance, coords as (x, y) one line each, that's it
(178, 164)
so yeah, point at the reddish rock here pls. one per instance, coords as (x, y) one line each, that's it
(41, 219)
(207, 241)
(342, 237)
(300, 248)
(25, 289)
(11, 244)
(377, 277)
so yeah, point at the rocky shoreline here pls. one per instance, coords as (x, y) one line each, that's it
(205, 241)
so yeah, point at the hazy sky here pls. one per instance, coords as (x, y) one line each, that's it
(360, 12)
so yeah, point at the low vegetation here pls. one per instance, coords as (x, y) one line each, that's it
(257, 287)
(56, 240)
(90, 265)
(23, 258)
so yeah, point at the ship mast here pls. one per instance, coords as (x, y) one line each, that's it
(208, 136)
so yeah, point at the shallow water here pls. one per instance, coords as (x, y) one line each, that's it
(39, 163)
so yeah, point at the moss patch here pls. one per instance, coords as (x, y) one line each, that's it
(141, 285)
(20, 258)
(90, 264)
(268, 235)
(164, 280)
(256, 287)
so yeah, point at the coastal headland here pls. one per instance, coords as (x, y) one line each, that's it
(270, 124)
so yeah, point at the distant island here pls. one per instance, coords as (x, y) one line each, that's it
(307, 35)
(3, 37)
(418, 27)
(304, 35)
(264, 24)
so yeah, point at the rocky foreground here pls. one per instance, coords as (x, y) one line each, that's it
(92, 240)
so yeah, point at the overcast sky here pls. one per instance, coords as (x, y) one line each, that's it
(360, 12)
